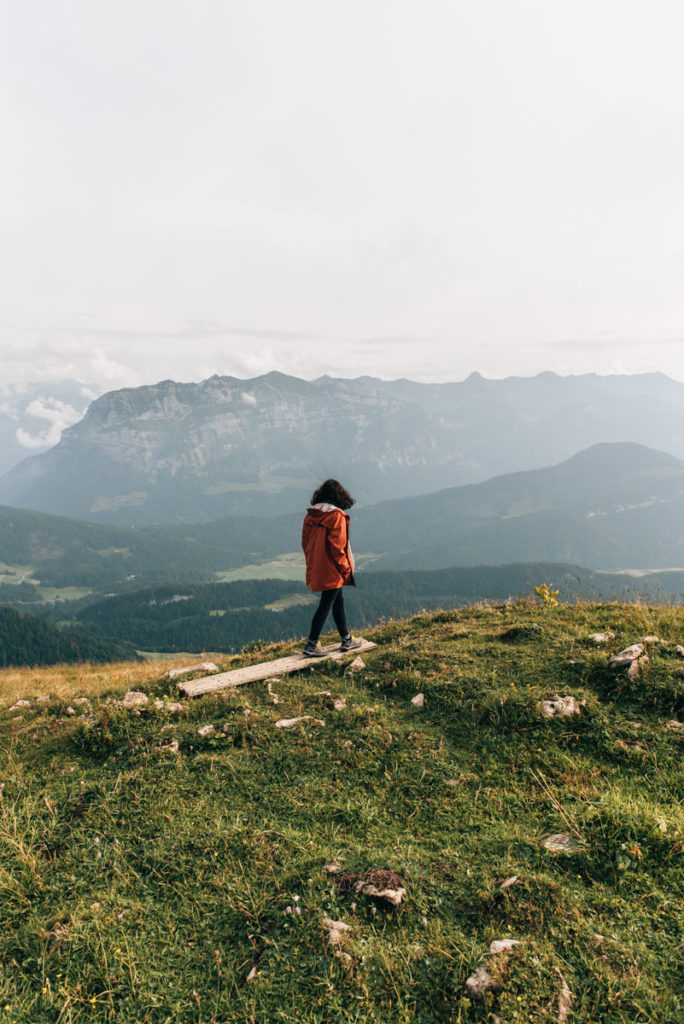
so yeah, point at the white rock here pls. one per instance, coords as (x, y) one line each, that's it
(602, 638)
(419, 700)
(336, 931)
(252, 975)
(42, 698)
(83, 701)
(634, 670)
(561, 707)
(134, 699)
(339, 703)
(499, 946)
(172, 747)
(356, 666)
(290, 723)
(651, 640)
(333, 868)
(393, 896)
(20, 704)
(680, 650)
(203, 666)
(623, 659)
(508, 882)
(480, 982)
(206, 730)
(561, 842)
(70, 711)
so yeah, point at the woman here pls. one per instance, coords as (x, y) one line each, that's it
(329, 563)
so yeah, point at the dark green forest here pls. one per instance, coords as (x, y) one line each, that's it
(226, 616)
(28, 641)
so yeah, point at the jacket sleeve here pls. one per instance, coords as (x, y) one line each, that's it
(338, 536)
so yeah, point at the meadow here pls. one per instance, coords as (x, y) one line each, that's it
(153, 873)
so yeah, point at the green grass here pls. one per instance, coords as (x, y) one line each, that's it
(144, 886)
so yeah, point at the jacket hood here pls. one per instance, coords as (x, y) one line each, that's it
(320, 512)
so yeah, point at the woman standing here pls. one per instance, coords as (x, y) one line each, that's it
(329, 563)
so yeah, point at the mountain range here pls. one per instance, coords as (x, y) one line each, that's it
(611, 507)
(225, 447)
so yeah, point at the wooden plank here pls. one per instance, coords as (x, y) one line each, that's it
(255, 673)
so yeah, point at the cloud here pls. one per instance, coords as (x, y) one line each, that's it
(59, 416)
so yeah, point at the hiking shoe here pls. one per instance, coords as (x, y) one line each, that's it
(313, 650)
(350, 643)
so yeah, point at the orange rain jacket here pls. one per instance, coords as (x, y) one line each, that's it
(325, 540)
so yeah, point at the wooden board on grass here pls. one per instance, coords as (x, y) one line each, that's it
(255, 673)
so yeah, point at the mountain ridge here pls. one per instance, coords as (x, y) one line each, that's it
(173, 451)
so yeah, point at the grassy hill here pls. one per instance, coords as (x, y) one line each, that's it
(151, 873)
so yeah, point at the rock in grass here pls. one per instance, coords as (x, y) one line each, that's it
(20, 704)
(383, 885)
(133, 699)
(651, 640)
(206, 730)
(480, 982)
(290, 723)
(680, 650)
(172, 747)
(625, 658)
(561, 707)
(489, 977)
(334, 867)
(508, 882)
(419, 700)
(561, 842)
(602, 638)
(499, 946)
(172, 707)
(356, 666)
(336, 931)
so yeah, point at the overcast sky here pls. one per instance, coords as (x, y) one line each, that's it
(415, 188)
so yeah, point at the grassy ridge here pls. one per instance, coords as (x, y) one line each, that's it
(142, 885)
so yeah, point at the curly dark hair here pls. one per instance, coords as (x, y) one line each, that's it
(333, 492)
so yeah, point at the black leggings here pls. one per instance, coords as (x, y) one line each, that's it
(329, 599)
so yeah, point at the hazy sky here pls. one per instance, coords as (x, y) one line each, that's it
(412, 188)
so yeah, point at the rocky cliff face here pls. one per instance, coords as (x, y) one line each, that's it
(228, 447)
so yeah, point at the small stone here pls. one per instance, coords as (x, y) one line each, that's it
(203, 666)
(70, 711)
(347, 744)
(674, 725)
(623, 659)
(290, 723)
(651, 640)
(561, 707)
(206, 730)
(419, 700)
(561, 842)
(172, 747)
(680, 650)
(508, 882)
(134, 699)
(480, 982)
(42, 698)
(20, 704)
(499, 946)
(252, 975)
(336, 931)
(83, 701)
(602, 638)
(333, 868)
(634, 670)
(356, 666)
